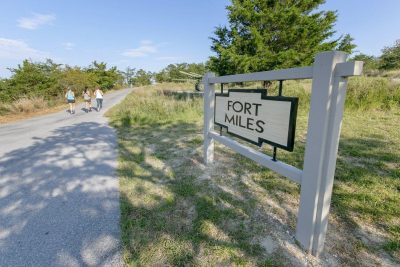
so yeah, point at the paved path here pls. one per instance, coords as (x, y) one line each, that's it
(59, 198)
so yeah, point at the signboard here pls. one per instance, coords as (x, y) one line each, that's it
(255, 117)
(258, 118)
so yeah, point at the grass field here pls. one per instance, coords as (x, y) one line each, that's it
(175, 211)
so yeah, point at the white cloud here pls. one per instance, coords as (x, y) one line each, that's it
(68, 46)
(146, 47)
(16, 49)
(35, 21)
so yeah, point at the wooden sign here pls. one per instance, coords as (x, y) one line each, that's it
(258, 118)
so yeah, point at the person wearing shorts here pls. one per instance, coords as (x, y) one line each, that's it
(88, 100)
(70, 96)
(99, 98)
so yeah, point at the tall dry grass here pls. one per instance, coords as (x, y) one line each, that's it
(150, 105)
(29, 104)
(24, 105)
(363, 93)
(184, 86)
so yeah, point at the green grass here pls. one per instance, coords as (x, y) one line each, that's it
(176, 212)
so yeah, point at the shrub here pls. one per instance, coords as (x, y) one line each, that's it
(28, 104)
(5, 108)
(372, 93)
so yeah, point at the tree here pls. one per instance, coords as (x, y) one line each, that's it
(5, 91)
(390, 58)
(271, 34)
(141, 78)
(128, 74)
(106, 79)
(35, 79)
(77, 78)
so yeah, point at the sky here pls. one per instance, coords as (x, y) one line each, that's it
(150, 34)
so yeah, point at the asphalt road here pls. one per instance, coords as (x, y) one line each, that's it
(59, 195)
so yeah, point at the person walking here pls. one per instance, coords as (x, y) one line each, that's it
(70, 96)
(99, 99)
(88, 100)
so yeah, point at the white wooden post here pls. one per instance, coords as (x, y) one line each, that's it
(326, 112)
(209, 99)
(329, 74)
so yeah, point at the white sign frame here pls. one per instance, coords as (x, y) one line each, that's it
(329, 83)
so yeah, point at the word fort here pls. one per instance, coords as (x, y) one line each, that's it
(245, 108)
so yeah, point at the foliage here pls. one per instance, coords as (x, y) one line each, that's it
(77, 79)
(141, 77)
(390, 58)
(128, 74)
(31, 79)
(49, 80)
(105, 78)
(265, 35)
(172, 73)
(5, 95)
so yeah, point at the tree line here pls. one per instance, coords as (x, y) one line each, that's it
(389, 60)
(50, 80)
(177, 72)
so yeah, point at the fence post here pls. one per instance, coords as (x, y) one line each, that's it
(326, 112)
(209, 99)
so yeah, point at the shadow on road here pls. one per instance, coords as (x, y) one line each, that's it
(59, 200)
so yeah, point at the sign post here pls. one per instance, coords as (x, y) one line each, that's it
(257, 118)
(209, 98)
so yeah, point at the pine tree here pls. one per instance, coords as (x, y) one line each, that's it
(271, 34)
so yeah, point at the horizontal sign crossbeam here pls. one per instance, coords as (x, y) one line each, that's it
(274, 75)
(346, 69)
(283, 169)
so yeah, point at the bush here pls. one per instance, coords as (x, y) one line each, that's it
(390, 58)
(372, 93)
(5, 109)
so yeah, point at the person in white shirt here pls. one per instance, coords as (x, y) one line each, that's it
(99, 98)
